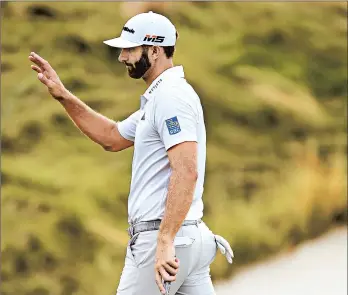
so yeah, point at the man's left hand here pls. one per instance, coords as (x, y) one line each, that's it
(166, 265)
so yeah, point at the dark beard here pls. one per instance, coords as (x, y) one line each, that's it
(140, 67)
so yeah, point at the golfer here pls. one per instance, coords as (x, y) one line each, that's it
(169, 243)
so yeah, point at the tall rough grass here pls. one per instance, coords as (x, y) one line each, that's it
(273, 84)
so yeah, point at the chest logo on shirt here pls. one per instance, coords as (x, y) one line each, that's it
(173, 125)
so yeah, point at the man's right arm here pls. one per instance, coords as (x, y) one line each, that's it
(97, 127)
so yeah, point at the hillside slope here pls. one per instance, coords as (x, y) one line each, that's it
(272, 78)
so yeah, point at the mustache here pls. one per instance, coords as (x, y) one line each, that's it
(127, 64)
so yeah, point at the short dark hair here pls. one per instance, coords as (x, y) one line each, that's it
(169, 50)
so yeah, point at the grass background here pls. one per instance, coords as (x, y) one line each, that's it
(272, 78)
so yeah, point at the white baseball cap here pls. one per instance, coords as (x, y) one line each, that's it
(145, 29)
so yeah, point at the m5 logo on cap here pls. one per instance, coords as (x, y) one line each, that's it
(153, 38)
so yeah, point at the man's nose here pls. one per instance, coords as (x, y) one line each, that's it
(122, 57)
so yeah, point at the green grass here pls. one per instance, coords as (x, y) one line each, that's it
(272, 79)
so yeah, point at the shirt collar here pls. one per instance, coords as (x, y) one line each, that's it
(174, 72)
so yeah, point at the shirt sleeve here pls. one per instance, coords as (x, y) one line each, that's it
(175, 120)
(128, 126)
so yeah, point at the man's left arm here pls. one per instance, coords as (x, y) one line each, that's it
(176, 122)
(183, 163)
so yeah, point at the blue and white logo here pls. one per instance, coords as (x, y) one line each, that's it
(173, 125)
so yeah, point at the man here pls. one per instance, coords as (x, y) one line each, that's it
(168, 133)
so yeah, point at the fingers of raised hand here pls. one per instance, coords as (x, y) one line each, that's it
(36, 69)
(38, 60)
(44, 80)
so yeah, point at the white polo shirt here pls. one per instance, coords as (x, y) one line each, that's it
(170, 113)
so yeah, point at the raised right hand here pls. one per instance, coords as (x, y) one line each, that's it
(47, 76)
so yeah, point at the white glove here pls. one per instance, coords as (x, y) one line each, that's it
(224, 248)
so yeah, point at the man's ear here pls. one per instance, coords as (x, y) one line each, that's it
(156, 50)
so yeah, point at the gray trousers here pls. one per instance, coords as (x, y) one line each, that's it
(195, 247)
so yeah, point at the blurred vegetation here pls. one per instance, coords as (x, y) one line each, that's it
(273, 81)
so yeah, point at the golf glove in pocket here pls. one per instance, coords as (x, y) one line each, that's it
(224, 248)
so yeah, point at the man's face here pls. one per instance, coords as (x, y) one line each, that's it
(137, 61)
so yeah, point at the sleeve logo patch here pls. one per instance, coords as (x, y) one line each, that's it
(173, 125)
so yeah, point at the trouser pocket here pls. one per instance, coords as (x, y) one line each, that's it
(143, 248)
(183, 242)
(131, 242)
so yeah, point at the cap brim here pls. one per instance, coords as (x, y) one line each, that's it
(121, 43)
